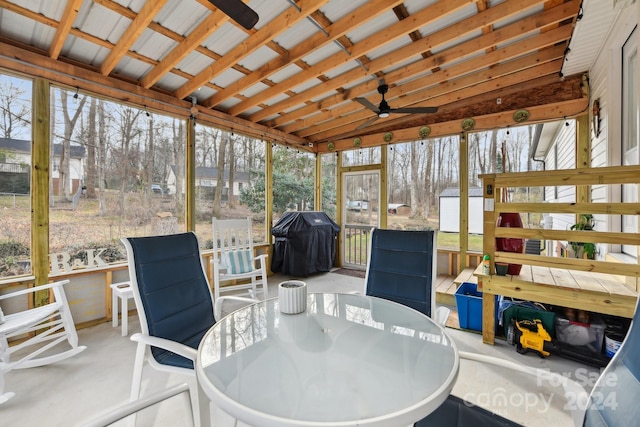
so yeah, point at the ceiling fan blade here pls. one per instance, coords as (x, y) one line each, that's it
(365, 102)
(415, 110)
(238, 11)
(367, 123)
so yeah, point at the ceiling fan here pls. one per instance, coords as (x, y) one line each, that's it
(238, 11)
(383, 110)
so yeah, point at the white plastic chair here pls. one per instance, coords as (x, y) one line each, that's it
(134, 407)
(233, 259)
(45, 327)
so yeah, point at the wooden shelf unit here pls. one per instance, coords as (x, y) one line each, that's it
(600, 286)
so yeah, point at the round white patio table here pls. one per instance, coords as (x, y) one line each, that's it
(348, 360)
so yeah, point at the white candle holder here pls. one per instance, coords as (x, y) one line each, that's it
(292, 296)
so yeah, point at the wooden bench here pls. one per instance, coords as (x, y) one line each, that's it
(607, 287)
(466, 275)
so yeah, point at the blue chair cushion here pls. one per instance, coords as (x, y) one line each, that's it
(400, 267)
(174, 292)
(454, 412)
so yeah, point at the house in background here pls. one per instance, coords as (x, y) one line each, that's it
(613, 127)
(15, 166)
(206, 179)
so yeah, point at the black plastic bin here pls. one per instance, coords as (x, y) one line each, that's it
(305, 243)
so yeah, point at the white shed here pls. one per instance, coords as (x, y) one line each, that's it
(450, 210)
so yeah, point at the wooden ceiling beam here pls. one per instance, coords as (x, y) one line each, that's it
(538, 114)
(69, 15)
(482, 68)
(512, 80)
(491, 74)
(131, 34)
(275, 27)
(369, 10)
(401, 29)
(67, 75)
(441, 37)
(191, 42)
(512, 31)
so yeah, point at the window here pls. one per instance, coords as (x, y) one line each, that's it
(231, 168)
(15, 184)
(114, 169)
(293, 181)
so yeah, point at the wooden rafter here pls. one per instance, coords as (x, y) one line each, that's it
(69, 15)
(253, 43)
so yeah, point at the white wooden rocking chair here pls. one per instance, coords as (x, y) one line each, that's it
(233, 259)
(45, 327)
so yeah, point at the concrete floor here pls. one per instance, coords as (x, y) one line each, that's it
(77, 389)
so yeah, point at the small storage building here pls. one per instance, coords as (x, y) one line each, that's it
(450, 210)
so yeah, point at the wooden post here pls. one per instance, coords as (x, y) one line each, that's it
(339, 208)
(318, 187)
(190, 175)
(490, 200)
(583, 156)
(382, 196)
(268, 190)
(40, 175)
(464, 202)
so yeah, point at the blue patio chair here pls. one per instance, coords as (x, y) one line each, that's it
(174, 304)
(402, 268)
(612, 402)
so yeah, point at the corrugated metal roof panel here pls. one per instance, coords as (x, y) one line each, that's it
(171, 82)
(227, 77)
(336, 10)
(296, 34)
(285, 73)
(132, 67)
(194, 63)
(254, 89)
(268, 10)
(180, 19)
(84, 51)
(323, 53)
(258, 58)
(389, 47)
(225, 39)
(372, 26)
(153, 45)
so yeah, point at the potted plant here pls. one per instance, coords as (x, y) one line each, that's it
(583, 249)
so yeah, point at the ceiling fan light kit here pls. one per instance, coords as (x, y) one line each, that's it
(383, 110)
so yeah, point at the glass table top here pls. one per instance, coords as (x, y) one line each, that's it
(347, 358)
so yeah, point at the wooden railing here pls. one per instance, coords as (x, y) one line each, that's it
(604, 285)
(605, 179)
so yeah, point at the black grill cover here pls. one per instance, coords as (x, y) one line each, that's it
(305, 243)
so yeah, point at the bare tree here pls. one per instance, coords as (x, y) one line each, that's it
(64, 184)
(14, 112)
(217, 198)
(178, 155)
(428, 187)
(414, 189)
(102, 156)
(128, 131)
(150, 155)
(91, 150)
(232, 166)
